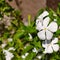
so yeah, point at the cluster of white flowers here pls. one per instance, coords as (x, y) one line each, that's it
(50, 46)
(8, 55)
(46, 30)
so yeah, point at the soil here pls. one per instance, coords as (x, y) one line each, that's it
(32, 6)
(28, 7)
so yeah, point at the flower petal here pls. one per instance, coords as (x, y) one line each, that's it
(53, 27)
(39, 26)
(26, 54)
(46, 21)
(55, 40)
(35, 50)
(48, 50)
(44, 43)
(38, 21)
(45, 13)
(55, 47)
(41, 34)
(49, 35)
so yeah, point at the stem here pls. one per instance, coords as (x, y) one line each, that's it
(29, 20)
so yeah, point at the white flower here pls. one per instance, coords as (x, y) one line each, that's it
(8, 55)
(10, 39)
(50, 46)
(24, 56)
(45, 31)
(30, 36)
(35, 50)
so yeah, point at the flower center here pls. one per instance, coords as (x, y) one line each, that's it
(45, 28)
(50, 44)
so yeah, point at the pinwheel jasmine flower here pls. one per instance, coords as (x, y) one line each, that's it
(45, 29)
(51, 46)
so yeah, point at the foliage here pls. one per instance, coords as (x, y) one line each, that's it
(20, 34)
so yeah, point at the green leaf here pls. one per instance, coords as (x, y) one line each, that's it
(57, 33)
(30, 56)
(18, 44)
(28, 48)
(19, 34)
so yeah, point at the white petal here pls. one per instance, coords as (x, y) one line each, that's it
(46, 21)
(11, 48)
(53, 27)
(35, 50)
(48, 50)
(39, 20)
(30, 36)
(39, 26)
(44, 43)
(55, 47)
(41, 34)
(55, 40)
(45, 13)
(8, 55)
(49, 35)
